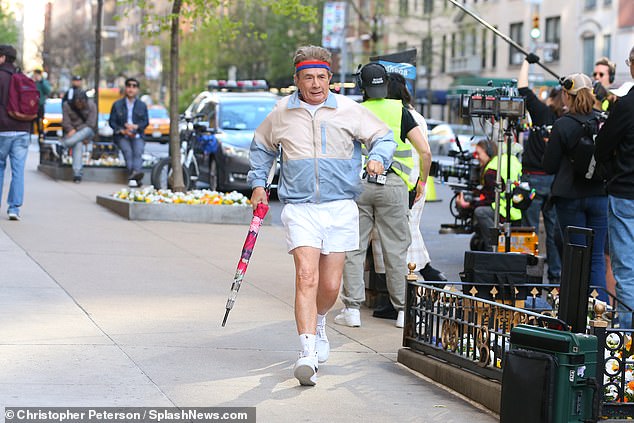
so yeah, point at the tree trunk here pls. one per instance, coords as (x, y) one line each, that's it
(178, 185)
(98, 54)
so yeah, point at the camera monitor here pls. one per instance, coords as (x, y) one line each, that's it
(482, 105)
(511, 106)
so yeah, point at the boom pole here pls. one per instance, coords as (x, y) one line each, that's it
(501, 35)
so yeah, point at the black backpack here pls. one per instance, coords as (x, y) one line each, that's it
(582, 153)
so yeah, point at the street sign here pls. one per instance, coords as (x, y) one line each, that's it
(153, 65)
(334, 25)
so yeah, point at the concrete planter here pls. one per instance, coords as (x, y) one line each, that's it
(115, 175)
(191, 213)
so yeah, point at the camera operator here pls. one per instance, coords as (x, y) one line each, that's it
(483, 202)
(543, 115)
(578, 201)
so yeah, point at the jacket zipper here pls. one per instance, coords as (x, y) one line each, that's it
(316, 144)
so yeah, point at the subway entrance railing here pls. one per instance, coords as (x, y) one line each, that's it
(473, 333)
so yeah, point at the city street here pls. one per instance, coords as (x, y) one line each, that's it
(100, 311)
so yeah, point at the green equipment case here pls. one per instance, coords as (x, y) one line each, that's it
(549, 376)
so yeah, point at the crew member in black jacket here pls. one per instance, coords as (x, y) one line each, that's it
(615, 149)
(543, 115)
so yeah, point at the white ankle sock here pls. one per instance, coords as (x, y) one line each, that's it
(307, 341)
(321, 319)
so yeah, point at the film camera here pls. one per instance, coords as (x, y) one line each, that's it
(465, 178)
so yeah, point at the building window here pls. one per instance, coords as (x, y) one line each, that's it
(453, 45)
(588, 54)
(552, 38)
(403, 6)
(494, 51)
(463, 44)
(516, 32)
(590, 4)
(607, 2)
(484, 47)
(443, 54)
(607, 45)
(428, 55)
(428, 7)
(401, 45)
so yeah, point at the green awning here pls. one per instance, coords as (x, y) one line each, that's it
(468, 84)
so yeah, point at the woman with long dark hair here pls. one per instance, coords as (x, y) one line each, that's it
(578, 201)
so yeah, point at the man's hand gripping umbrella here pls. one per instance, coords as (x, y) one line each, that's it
(259, 212)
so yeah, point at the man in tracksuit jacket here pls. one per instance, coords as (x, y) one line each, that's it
(320, 134)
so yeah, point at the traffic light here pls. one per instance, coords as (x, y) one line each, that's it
(535, 31)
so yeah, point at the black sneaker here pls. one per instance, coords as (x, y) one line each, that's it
(432, 275)
(77, 179)
(138, 177)
(385, 309)
(387, 312)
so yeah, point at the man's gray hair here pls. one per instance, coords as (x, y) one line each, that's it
(311, 53)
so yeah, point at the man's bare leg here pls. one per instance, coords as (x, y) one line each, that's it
(330, 273)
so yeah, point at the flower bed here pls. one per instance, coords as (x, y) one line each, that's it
(198, 206)
(166, 196)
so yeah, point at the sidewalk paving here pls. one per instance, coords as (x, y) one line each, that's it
(96, 310)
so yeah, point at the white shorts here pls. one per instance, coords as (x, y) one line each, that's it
(332, 227)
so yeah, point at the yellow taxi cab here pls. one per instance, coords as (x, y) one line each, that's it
(159, 127)
(52, 121)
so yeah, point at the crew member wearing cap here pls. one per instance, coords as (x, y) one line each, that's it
(578, 201)
(14, 136)
(75, 85)
(385, 206)
(320, 135)
(615, 148)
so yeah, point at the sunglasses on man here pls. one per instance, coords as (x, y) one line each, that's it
(133, 85)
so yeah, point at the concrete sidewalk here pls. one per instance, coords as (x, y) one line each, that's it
(96, 310)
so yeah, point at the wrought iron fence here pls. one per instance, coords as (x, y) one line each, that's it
(474, 333)
(616, 370)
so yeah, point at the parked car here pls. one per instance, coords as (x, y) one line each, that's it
(159, 127)
(52, 121)
(441, 137)
(232, 118)
(468, 135)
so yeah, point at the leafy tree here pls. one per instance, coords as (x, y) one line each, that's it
(217, 19)
(8, 27)
(72, 51)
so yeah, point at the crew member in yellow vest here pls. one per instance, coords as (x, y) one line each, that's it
(385, 206)
(483, 203)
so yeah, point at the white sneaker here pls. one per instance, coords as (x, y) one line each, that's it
(400, 319)
(321, 344)
(306, 368)
(14, 216)
(349, 317)
(132, 183)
